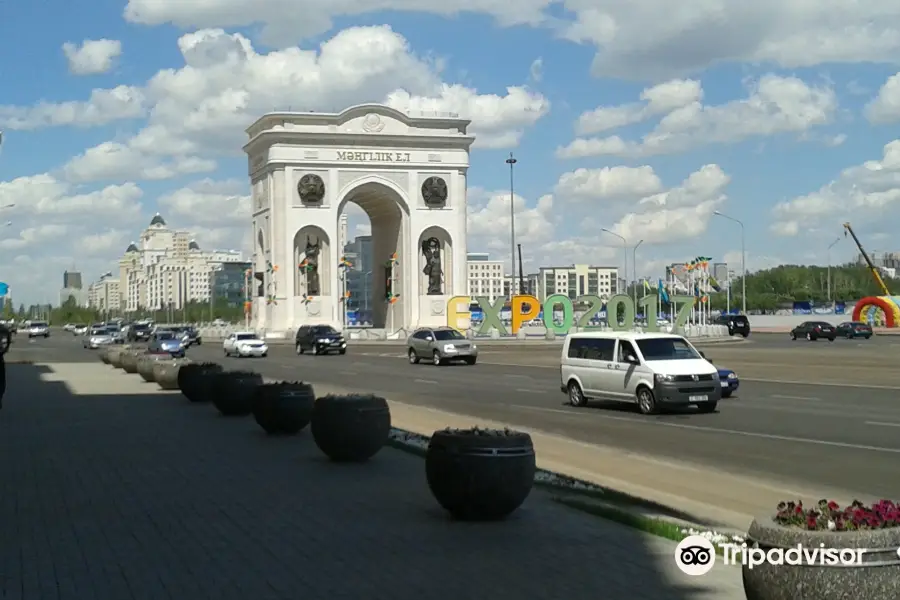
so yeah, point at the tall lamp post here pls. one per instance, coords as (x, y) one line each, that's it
(624, 255)
(830, 246)
(511, 161)
(634, 272)
(743, 261)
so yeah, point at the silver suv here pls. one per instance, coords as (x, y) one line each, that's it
(440, 346)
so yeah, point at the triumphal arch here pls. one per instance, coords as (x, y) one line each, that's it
(407, 172)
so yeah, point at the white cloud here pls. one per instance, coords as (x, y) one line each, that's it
(647, 40)
(44, 195)
(286, 24)
(103, 107)
(615, 183)
(210, 203)
(31, 236)
(864, 193)
(536, 72)
(203, 108)
(489, 220)
(92, 57)
(885, 108)
(681, 213)
(775, 105)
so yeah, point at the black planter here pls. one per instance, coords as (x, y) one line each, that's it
(876, 577)
(232, 392)
(195, 380)
(284, 408)
(480, 474)
(351, 428)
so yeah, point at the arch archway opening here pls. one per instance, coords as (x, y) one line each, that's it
(371, 289)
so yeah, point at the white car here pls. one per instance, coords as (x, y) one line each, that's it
(38, 329)
(79, 329)
(98, 336)
(244, 344)
(69, 327)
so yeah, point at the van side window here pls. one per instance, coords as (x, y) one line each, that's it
(626, 352)
(592, 349)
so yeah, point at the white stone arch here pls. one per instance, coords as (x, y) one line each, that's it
(386, 205)
(327, 258)
(447, 266)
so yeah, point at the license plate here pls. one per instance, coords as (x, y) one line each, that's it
(698, 398)
(724, 384)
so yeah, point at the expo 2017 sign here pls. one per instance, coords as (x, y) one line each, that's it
(620, 310)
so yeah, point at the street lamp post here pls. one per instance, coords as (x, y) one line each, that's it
(634, 271)
(624, 255)
(743, 261)
(830, 246)
(511, 161)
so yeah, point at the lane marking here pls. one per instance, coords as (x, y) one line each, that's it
(428, 381)
(527, 391)
(513, 376)
(749, 434)
(881, 424)
(810, 398)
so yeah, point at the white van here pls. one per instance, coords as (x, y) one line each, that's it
(654, 370)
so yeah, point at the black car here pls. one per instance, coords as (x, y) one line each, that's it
(320, 339)
(813, 330)
(138, 332)
(737, 324)
(192, 337)
(854, 329)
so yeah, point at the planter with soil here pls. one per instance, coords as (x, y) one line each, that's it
(145, 366)
(351, 428)
(233, 391)
(129, 360)
(165, 372)
(480, 474)
(284, 408)
(195, 380)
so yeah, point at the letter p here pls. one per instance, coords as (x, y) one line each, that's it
(523, 309)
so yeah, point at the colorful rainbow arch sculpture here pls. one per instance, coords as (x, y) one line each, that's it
(867, 310)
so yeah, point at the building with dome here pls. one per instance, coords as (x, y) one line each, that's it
(167, 268)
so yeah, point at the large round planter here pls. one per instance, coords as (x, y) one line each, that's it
(145, 366)
(165, 373)
(351, 428)
(480, 474)
(129, 360)
(115, 356)
(876, 577)
(195, 380)
(232, 392)
(103, 354)
(283, 408)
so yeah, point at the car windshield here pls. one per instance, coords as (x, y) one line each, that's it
(165, 335)
(448, 334)
(247, 336)
(99, 331)
(740, 320)
(666, 349)
(325, 331)
(822, 324)
(38, 324)
(140, 327)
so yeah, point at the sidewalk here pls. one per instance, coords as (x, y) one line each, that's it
(144, 495)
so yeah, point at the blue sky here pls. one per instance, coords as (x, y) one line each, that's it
(772, 113)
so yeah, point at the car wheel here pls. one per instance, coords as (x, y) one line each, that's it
(793, 336)
(342, 351)
(831, 339)
(726, 394)
(810, 338)
(707, 407)
(849, 335)
(646, 401)
(299, 349)
(436, 359)
(411, 355)
(316, 350)
(470, 360)
(265, 354)
(868, 336)
(576, 395)
(226, 352)
(745, 335)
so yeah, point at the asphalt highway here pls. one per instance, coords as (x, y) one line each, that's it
(814, 414)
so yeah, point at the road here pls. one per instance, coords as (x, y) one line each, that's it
(822, 414)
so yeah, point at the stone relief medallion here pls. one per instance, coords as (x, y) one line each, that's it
(434, 191)
(437, 307)
(313, 308)
(311, 189)
(372, 123)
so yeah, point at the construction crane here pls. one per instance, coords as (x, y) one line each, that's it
(872, 267)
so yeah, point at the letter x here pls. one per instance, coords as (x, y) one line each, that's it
(491, 314)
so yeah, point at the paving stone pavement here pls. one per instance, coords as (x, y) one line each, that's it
(146, 496)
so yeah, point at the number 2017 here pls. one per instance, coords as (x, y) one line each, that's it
(614, 305)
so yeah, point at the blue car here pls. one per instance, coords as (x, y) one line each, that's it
(166, 342)
(730, 382)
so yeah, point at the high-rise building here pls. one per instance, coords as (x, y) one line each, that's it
(104, 295)
(359, 277)
(72, 280)
(579, 280)
(227, 284)
(720, 274)
(484, 277)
